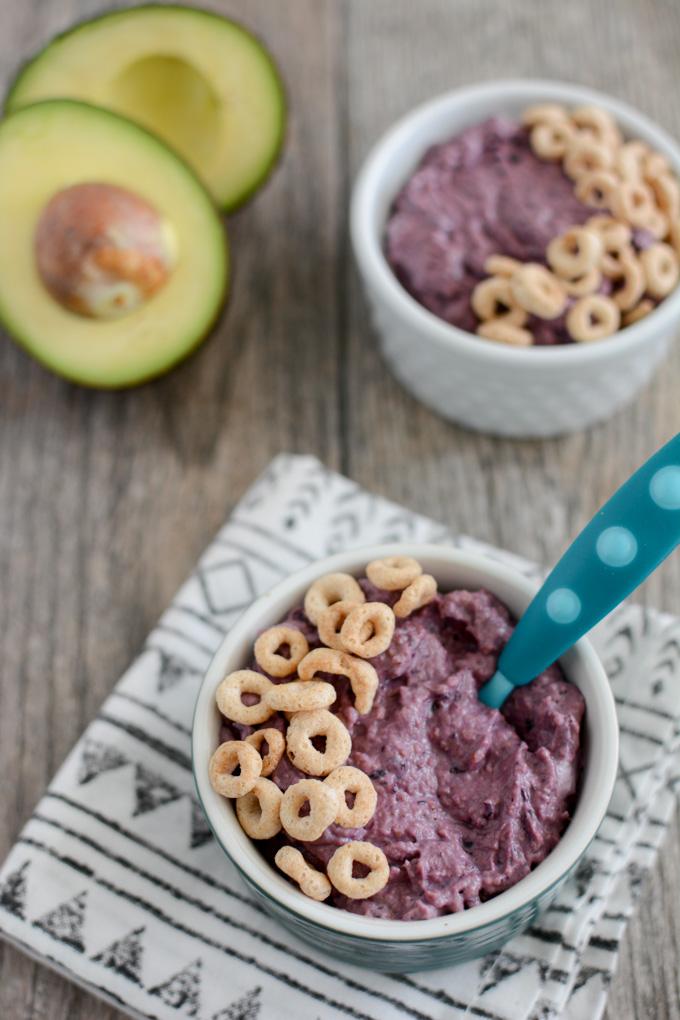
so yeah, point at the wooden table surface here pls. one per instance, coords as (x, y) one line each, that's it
(107, 499)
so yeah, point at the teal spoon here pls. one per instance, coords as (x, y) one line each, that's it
(625, 541)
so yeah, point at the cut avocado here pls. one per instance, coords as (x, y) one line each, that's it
(198, 80)
(54, 149)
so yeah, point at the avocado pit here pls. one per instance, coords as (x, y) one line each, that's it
(102, 251)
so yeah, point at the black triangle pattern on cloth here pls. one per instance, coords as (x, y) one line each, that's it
(172, 671)
(65, 922)
(124, 956)
(246, 1008)
(152, 791)
(13, 892)
(97, 758)
(183, 990)
(201, 832)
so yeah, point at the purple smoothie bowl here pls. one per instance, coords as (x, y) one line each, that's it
(408, 945)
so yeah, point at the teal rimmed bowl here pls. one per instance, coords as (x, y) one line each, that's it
(400, 946)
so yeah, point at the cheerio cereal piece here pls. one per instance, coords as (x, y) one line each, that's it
(585, 155)
(551, 139)
(667, 194)
(276, 745)
(503, 332)
(331, 588)
(542, 113)
(538, 291)
(258, 811)
(303, 728)
(393, 573)
(660, 267)
(348, 779)
(230, 756)
(655, 163)
(419, 593)
(592, 318)
(362, 676)
(634, 202)
(597, 189)
(493, 299)
(599, 123)
(630, 160)
(368, 630)
(631, 283)
(340, 870)
(575, 252)
(319, 801)
(268, 650)
(229, 697)
(640, 311)
(588, 283)
(301, 696)
(330, 623)
(311, 882)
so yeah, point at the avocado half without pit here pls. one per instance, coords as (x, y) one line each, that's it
(199, 81)
(113, 259)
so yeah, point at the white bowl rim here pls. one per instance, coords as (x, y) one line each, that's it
(559, 861)
(371, 258)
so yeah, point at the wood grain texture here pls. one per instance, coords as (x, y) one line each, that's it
(106, 500)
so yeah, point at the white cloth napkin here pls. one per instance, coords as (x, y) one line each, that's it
(116, 882)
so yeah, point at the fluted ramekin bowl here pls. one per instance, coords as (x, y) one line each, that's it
(399, 946)
(492, 387)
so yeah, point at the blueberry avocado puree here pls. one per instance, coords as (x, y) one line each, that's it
(482, 193)
(470, 799)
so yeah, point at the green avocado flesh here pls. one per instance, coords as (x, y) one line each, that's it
(200, 81)
(53, 145)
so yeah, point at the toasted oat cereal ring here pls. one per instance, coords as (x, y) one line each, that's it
(574, 252)
(276, 745)
(362, 676)
(616, 242)
(538, 291)
(597, 189)
(258, 810)
(330, 623)
(587, 283)
(630, 160)
(654, 164)
(329, 589)
(368, 630)
(633, 202)
(418, 594)
(323, 807)
(586, 155)
(674, 236)
(503, 332)
(660, 267)
(598, 122)
(639, 312)
(592, 318)
(543, 113)
(658, 225)
(667, 194)
(346, 780)
(301, 696)
(230, 756)
(268, 656)
(493, 299)
(393, 573)
(303, 728)
(550, 139)
(608, 226)
(632, 285)
(341, 864)
(229, 697)
(311, 882)
(501, 265)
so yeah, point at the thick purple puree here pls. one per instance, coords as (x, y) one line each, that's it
(469, 798)
(482, 193)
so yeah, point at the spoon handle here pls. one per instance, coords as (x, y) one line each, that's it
(625, 541)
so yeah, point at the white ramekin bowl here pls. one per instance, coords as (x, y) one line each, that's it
(410, 945)
(489, 386)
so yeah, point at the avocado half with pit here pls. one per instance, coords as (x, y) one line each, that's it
(113, 258)
(201, 82)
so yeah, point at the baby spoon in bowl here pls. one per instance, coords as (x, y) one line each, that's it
(625, 541)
